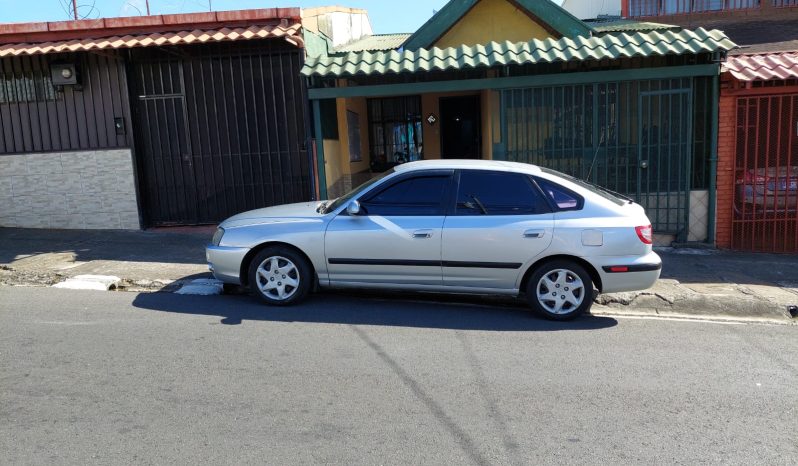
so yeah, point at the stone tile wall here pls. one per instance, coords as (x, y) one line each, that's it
(91, 190)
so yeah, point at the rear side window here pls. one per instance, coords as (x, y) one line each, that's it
(498, 193)
(421, 195)
(563, 198)
(617, 198)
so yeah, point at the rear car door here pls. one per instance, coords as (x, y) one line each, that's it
(500, 220)
(396, 240)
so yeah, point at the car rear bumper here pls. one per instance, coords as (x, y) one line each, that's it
(225, 262)
(628, 273)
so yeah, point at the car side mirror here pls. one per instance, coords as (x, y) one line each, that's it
(353, 208)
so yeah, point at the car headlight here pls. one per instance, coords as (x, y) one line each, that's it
(217, 237)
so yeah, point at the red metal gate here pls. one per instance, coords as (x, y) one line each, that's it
(766, 174)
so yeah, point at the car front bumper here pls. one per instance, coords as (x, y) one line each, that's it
(628, 273)
(225, 262)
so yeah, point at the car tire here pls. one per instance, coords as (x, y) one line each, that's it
(560, 290)
(280, 276)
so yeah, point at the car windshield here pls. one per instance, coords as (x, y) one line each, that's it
(333, 204)
(610, 195)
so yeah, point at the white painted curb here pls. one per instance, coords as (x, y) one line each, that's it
(202, 287)
(90, 282)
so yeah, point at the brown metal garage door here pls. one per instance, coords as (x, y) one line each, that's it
(766, 174)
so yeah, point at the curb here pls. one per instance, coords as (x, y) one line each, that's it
(643, 313)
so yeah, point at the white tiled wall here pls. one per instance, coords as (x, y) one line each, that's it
(93, 190)
(699, 216)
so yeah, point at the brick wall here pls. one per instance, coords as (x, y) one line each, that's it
(727, 138)
(92, 190)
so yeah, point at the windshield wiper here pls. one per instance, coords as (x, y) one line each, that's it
(479, 204)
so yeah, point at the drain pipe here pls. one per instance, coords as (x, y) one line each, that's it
(713, 160)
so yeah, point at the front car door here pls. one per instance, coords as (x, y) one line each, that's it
(396, 239)
(500, 222)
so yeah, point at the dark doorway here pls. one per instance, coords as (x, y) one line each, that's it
(460, 128)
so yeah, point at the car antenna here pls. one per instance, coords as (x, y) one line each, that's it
(595, 156)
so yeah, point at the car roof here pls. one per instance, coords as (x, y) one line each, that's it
(468, 164)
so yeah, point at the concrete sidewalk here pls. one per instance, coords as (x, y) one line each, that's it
(695, 283)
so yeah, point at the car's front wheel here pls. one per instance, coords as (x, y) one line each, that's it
(560, 290)
(280, 276)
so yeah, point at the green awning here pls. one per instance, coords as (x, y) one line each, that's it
(613, 46)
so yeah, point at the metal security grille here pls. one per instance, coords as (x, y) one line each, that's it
(664, 162)
(765, 217)
(220, 130)
(632, 137)
(639, 8)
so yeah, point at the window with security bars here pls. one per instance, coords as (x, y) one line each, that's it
(784, 3)
(394, 131)
(26, 86)
(639, 8)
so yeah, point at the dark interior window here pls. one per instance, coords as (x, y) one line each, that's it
(498, 193)
(413, 196)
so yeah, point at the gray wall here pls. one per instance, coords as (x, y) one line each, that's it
(66, 190)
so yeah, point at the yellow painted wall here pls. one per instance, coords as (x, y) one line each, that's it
(485, 106)
(493, 20)
(357, 105)
(332, 164)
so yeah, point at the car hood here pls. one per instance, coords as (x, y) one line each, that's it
(287, 213)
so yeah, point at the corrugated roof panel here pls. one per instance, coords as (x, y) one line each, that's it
(763, 67)
(373, 43)
(622, 25)
(611, 46)
(291, 33)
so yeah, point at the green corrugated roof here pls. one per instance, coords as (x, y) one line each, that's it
(626, 25)
(375, 42)
(315, 44)
(610, 46)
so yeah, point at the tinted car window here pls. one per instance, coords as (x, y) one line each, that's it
(617, 198)
(562, 198)
(498, 193)
(413, 196)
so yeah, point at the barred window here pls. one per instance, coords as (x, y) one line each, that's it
(640, 8)
(26, 86)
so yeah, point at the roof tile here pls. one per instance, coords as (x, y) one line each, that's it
(764, 67)
(537, 51)
(290, 33)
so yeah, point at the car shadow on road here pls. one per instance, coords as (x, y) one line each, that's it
(394, 310)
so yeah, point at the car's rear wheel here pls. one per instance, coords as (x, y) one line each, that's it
(280, 276)
(560, 290)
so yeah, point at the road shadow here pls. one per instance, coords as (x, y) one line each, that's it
(393, 310)
(182, 247)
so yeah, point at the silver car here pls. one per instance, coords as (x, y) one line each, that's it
(455, 226)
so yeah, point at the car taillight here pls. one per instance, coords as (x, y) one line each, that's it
(644, 233)
(751, 178)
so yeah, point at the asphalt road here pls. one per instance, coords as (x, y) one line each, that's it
(111, 378)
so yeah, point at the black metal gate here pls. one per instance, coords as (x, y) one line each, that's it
(220, 129)
(664, 160)
(632, 137)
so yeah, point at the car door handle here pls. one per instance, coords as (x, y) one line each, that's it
(534, 233)
(422, 234)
